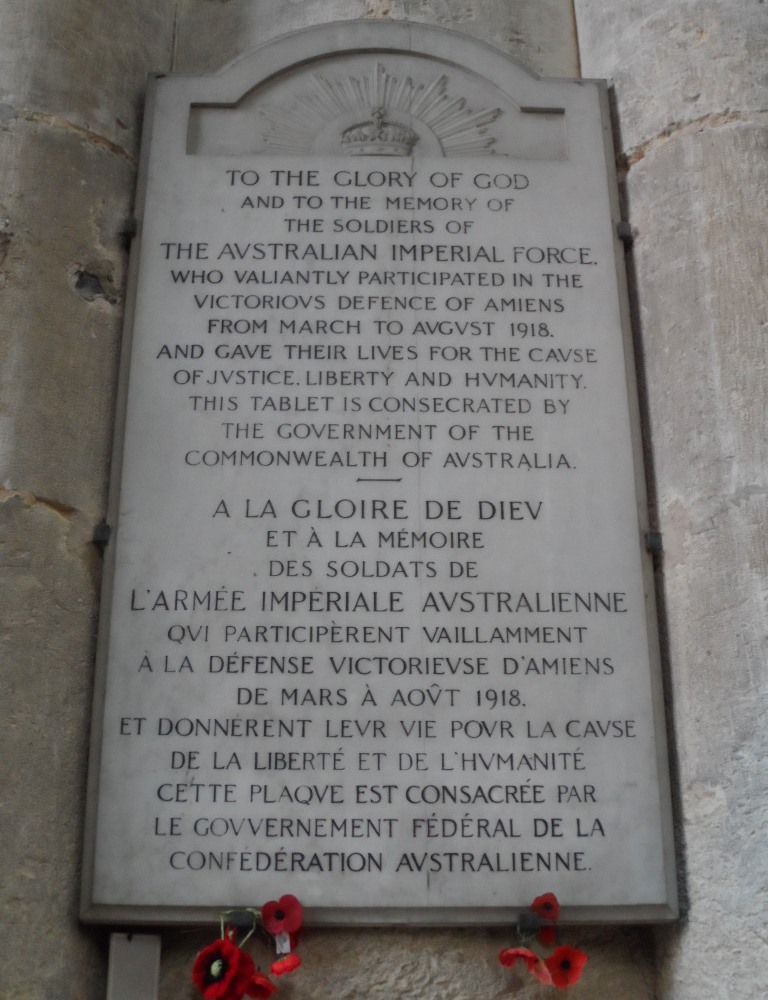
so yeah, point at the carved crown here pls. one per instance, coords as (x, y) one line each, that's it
(378, 137)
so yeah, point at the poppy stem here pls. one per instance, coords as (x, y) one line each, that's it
(255, 915)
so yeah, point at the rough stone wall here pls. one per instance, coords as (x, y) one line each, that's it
(540, 34)
(691, 93)
(689, 101)
(72, 81)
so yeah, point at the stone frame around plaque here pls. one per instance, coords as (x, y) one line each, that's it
(184, 118)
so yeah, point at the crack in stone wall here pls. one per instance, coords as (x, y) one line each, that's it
(674, 130)
(30, 500)
(57, 122)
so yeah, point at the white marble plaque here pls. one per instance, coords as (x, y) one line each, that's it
(379, 623)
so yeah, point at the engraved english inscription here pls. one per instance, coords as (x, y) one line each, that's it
(378, 626)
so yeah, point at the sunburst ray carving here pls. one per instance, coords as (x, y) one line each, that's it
(460, 131)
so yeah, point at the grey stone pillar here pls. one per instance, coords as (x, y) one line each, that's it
(690, 93)
(73, 81)
(73, 77)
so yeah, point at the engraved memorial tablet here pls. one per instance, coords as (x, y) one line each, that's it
(378, 623)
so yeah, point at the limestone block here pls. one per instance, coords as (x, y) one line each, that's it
(63, 276)
(540, 34)
(83, 62)
(703, 303)
(690, 95)
(703, 308)
(679, 62)
(50, 574)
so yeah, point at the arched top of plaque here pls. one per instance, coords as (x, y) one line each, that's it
(362, 88)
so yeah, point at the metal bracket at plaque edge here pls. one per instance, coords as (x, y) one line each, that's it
(626, 235)
(128, 231)
(654, 541)
(101, 535)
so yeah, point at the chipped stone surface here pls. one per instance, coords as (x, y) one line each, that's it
(58, 371)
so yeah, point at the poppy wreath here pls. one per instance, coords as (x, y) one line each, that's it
(224, 971)
(564, 966)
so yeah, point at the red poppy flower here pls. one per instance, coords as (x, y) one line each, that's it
(546, 906)
(565, 965)
(283, 916)
(285, 964)
(223, 972)
(533, 963)
(261, 987)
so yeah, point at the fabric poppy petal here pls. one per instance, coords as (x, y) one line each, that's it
(509, 956)
(565, 965)
(261, 987)
(282, 916)
(222, 971)
(547, 906)
(534, 964)
(285, 964)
